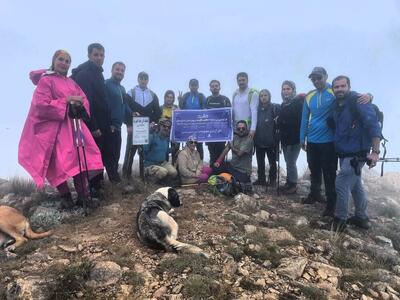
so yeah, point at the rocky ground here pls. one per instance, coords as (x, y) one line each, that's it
(261, 247)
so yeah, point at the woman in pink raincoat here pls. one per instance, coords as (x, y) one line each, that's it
(47, 147)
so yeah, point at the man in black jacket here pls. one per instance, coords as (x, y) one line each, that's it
(143, 102)
(89, 76)
(289, 129)
(216, 100)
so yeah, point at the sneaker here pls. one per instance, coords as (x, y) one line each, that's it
(66, 201)
(90, 203)
(359, 222)
(260, 182)
(338, 225)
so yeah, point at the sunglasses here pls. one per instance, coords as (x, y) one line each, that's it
(165, 126)
(192, 142)
(241, 128)
(316, 78)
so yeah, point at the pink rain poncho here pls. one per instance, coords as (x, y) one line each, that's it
(47, 147)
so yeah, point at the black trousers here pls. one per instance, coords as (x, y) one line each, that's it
(112, 152)
(174, 152)
(272, 154)
(215, 150)
(322, 161)
(199, 147)
(129, 155)
(96, 182)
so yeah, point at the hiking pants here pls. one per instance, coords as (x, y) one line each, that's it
(272, 158)
(291, 153)
(322, 161)
(347, 182)
(112, 149)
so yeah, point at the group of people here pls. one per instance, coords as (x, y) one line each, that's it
(321, 122)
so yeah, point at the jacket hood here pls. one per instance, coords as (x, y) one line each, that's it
(35, 76)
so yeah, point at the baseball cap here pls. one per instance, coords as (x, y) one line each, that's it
(318, 71)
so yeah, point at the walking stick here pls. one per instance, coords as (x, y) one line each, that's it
(77, 131)
(278, 190)
(84, 157)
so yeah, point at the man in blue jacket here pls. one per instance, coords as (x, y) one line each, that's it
(357, 130)
(193, 100)
(317, 139)
(115, 101)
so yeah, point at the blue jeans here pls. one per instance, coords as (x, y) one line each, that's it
(348, 182)
(291, 153)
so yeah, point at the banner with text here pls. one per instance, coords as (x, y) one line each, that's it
(207, 125)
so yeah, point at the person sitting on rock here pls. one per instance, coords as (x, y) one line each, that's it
(190, 165)
(156, 151)
(242, 150)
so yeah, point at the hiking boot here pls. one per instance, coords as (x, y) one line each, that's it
(90, 203)
(260, 182)
(338, 225)
(328, 212)
(290, 189)
(271, 183)
(359, 222)
(312, 198)
(66, 201)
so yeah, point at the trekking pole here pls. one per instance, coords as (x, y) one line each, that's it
(382, 160)
(278, 191)
(84, 156)
(77, 129)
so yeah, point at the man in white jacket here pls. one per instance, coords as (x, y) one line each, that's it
(245, 103)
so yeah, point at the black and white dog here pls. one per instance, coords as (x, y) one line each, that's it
(156, 228)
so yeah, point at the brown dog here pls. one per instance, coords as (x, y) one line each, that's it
(14, 224)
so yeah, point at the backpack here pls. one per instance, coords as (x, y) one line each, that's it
(224, 184)
(251, 92)
(202, 100)
(356, 114)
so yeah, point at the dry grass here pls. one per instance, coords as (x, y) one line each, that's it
(69, 281)
(196, 263)
(201, 287)
(313, 293)
(21, 186)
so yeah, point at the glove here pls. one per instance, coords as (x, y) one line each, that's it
(76, 111)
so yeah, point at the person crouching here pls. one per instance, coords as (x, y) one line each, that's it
(190, 165)
(156, 151)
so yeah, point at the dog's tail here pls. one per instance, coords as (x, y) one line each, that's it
(185, 248)
(29, 233)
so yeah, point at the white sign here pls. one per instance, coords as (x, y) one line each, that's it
(141, 127)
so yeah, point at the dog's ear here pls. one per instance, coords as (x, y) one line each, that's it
(173, 198)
